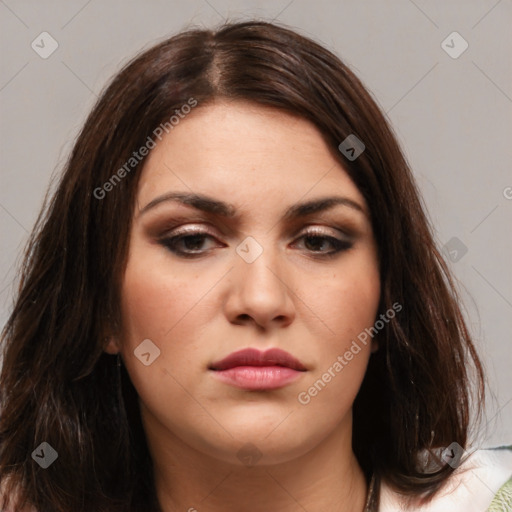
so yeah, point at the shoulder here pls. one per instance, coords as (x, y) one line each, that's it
(472, 487)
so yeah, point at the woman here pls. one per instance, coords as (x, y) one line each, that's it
(312, 356)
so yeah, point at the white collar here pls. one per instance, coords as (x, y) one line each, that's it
(471, 488)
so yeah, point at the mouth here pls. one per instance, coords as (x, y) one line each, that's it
(252, 369)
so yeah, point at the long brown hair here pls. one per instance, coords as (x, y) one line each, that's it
(58, 385)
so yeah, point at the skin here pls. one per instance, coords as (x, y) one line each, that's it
(200, 310)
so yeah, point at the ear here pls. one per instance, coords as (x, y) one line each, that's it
(111, 345)
(375, 346)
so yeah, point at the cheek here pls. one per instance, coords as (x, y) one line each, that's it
(359, 302)
(154, 305)
(155, 299)
(346, 299)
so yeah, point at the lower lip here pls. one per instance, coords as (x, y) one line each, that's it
(258, 377)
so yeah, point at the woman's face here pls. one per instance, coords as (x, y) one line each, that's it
(251, 270)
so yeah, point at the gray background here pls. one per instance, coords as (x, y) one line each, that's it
(452, 117)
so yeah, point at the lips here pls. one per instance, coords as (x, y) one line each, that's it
(253, 370)
(253, 357)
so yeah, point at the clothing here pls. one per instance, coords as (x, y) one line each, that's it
(483, 483)
(503, 500)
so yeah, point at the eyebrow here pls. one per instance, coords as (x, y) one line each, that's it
(210, 205)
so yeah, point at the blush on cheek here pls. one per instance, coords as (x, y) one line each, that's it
(349, 311)
(149, 308)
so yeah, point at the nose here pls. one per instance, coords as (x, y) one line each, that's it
(260, 292)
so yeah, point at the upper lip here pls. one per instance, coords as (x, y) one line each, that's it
(254, 357)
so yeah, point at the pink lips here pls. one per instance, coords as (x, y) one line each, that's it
(255, 370)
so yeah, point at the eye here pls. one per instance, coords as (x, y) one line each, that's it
(316, 240)
(188, 244)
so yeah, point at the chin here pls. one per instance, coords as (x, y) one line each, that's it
(254, 442)
(255, 451)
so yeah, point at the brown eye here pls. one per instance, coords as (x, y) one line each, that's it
(190, 244)
(187, 245)
(316, 243)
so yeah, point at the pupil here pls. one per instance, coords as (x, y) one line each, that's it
(193, 242)
(316, 244)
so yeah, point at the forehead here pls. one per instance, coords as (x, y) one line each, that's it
(246, 154)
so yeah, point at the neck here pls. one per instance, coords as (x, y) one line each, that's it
(328, 477)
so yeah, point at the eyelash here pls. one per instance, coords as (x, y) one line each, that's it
(170, 243)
